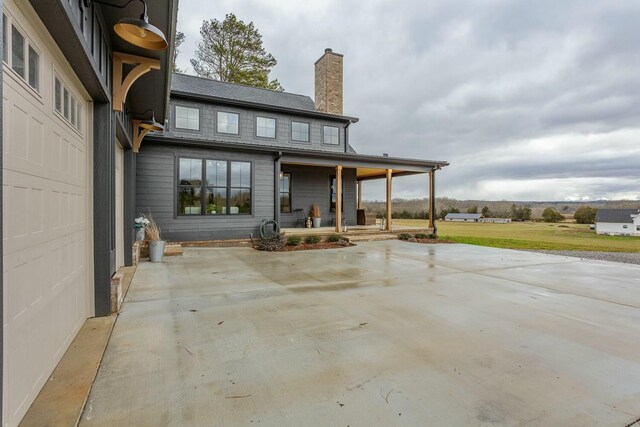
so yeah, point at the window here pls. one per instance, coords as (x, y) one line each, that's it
(5, 34)
(331, 135)
(34, 69)
(190, 187)
(17, 51)
(66, 104)
(332, 193)
(265, 127)
(57, 103)
(65, 113)
(240, 190)
(285, 192)
(213, 187)
(625, 226)
(187, 118)
(73, 117)
(228, 122)
(300, 131)
(216, 187)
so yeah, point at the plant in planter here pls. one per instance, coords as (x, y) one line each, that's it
(316, 215)
(156, 245)
(140, 223)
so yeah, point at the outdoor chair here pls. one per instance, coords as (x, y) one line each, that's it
(300, 217)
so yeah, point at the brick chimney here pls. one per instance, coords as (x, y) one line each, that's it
(329, 83)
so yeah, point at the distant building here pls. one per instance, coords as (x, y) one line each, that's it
(625, 222)
(495, 220)
(463, 217)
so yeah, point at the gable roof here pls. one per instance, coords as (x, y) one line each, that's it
(463, 216)
(201, 86)
(623, 216)
(192, 87)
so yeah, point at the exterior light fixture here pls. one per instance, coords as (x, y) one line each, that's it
(151, 124)
(143, 127)
(138, 31)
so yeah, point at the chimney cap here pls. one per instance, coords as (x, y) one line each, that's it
(328, 50)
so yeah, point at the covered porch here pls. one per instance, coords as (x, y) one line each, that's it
(347, 173)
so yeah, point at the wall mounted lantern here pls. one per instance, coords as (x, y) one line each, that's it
(142, 127)
(138, 31)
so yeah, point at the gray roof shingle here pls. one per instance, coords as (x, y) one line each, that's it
(616, 215)
(184, 83)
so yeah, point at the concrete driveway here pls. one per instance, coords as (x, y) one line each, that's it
(385, 333)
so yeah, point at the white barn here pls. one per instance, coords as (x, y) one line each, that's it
(463, 217)
(621, 222)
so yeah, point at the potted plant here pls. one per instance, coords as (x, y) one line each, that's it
(156, 246)
(315, 214)
(140, 223)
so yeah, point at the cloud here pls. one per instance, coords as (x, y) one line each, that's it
(526, 100)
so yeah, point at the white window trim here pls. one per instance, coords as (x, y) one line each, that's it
(73, 97)
(24, 81)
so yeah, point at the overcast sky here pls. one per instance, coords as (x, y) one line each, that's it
(527, 100)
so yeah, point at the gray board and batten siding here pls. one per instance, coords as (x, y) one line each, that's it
(156, 192)
(311, 184)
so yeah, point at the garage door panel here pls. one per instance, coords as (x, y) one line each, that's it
(46, 176)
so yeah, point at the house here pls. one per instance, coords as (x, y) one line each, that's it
(75, 95)
(463, 217)
(624, 222)
(231, 156)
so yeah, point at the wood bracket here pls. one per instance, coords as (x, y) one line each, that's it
(138, 134)
(142, 65)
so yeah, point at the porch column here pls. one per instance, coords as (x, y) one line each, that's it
(359, 194)
(339, 199)
(432, 201)
(389, 176)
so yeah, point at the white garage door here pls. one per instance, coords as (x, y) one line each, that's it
(46, 208)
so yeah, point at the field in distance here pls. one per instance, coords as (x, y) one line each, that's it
(529, 235)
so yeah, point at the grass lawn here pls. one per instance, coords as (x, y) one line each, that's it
(530, 235)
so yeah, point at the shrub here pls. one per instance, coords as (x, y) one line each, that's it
(421, 236)
(585, 215)
(550, 215)
(294, 240)
(312, 239)
(271, 244)
(404, 236)
(432, 236)
(334, 238)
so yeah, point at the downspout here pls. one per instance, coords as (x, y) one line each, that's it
(276, 187)
(346, 138)
(433, 200)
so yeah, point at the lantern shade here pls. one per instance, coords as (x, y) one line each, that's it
(139, 32)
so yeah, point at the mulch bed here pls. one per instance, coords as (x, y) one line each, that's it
(311, 247)
(321, 245)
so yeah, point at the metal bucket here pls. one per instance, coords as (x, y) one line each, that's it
(156, 250)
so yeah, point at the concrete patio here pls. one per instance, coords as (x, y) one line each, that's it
(383, 333)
